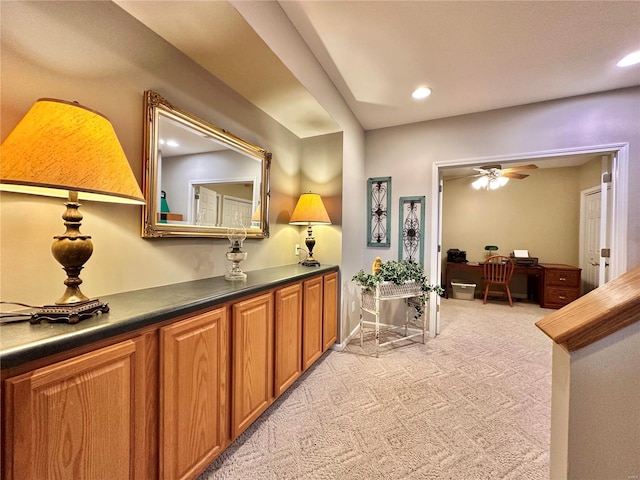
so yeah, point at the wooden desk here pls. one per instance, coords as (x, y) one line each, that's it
(533, 287)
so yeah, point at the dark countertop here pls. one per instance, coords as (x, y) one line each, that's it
(23, 342)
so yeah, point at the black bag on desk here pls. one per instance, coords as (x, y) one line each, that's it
(456, 256)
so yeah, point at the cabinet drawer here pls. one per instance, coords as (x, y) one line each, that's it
(562, 278)
(561, 296)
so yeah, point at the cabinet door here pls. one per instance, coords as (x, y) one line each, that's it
(194, 378)
(288, 308)
(252, 366)
(76, 419)
(330, 310)
(311, 322)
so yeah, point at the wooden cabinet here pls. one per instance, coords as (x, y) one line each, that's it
(288, 336)
(194, 384)
(561, 285)
(252, 365)
(164, 400)
(330, 310)
(311, 321)
(306, 325)
(85, 417)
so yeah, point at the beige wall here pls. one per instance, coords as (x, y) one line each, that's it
(589, 173)
(321, 174)
(540, 213)
(95, 53)
(595, 423)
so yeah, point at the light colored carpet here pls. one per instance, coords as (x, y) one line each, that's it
(473, 403)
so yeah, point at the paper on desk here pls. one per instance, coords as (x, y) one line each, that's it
(521, 253)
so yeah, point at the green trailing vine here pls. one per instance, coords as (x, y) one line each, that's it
(399, 272)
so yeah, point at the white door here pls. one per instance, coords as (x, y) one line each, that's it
(232, 206)
(590, 239)
(595, 231)
(206, 207)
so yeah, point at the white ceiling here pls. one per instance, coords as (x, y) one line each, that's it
(475, 55)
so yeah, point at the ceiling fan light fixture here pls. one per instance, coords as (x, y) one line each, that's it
(481, 182)
(629, 60)
(421, 93)
(494, 184)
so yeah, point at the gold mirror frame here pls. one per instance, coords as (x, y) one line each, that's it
(158, 221)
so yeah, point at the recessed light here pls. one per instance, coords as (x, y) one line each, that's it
(421, 92)
(631, 59)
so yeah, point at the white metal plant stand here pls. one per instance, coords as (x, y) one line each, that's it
(370, 301)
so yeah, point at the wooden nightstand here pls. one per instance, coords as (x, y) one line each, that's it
(560, 285)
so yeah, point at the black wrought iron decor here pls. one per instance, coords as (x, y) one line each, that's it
(411, 229)
(378, 208)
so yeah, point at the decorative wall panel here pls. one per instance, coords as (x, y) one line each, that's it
(378, 211)
(411, 229)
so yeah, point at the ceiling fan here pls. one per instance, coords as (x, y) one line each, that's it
(494, 176)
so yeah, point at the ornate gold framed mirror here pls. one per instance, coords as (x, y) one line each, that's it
(199, 177)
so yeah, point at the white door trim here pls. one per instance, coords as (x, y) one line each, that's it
(620, 194)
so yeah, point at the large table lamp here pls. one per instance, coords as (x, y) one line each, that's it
(310, 211)
(62, 149)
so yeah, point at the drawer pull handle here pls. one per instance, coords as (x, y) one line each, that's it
(562, 297)
(563, 279)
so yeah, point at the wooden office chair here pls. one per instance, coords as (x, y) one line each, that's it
(498, 270)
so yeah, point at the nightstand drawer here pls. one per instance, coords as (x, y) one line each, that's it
(562, 278)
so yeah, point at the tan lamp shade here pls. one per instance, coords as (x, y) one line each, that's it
(61, 146)
(310, 211)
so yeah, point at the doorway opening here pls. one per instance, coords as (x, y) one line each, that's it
(619, 196)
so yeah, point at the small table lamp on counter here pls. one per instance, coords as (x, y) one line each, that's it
(310, 211)
(62, 149)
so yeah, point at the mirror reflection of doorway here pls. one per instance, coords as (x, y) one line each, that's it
(206, 206)
(216, 203)
(232, 206)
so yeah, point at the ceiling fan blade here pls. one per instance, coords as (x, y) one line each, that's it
(458, 177)
(519, 176)
(517, 169)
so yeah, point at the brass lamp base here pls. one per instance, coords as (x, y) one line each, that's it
(310, 262)
(71, 250)
(310, 242)
(69, 313)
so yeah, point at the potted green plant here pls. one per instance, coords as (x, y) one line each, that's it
(399, 272)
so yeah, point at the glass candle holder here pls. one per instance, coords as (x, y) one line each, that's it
(236, 233)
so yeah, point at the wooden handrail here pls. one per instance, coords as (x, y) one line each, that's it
(597, 314)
